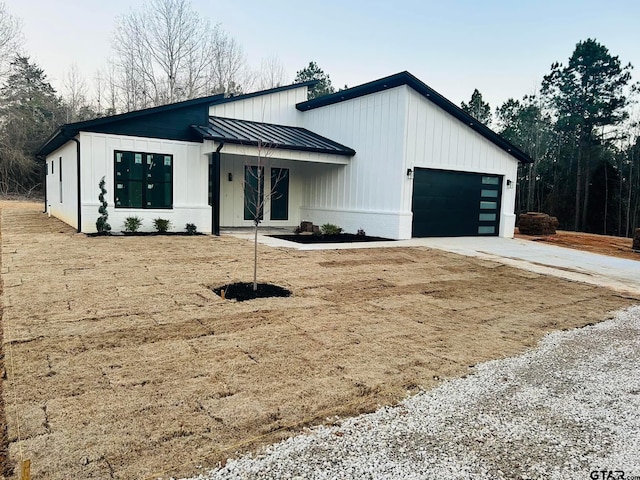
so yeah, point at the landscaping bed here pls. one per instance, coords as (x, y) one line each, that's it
(128, 365)
(339, 238)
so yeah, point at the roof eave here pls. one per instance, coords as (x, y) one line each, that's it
(405, 78)
(347, 152)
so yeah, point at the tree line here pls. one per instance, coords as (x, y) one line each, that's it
(162, 53)
(584, 142)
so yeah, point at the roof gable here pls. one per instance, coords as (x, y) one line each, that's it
(172, 121)
(405, 78)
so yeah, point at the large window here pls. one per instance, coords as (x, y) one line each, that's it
(143, 180)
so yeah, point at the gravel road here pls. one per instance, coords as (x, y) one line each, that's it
(565, 409)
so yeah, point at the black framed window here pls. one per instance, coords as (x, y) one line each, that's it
(143, 180)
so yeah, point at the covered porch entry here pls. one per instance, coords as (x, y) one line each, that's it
(263, 168)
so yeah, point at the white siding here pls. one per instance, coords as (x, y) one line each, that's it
(62, 197)
(435, 139)
(366, 193)
(190, 181)
(278, 108)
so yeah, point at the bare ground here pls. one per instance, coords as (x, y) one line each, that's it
(603, 244)
(127, 365)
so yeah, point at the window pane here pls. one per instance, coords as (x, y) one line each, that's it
(158, 195)
(490, 180)
(487, 217)
(279, 194)
(127, 168)
(128, 194)
(486, 230)
(489, 193)
(488, 205)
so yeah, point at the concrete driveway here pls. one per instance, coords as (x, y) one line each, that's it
(616, 273)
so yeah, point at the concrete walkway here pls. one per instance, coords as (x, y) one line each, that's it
(617, 273)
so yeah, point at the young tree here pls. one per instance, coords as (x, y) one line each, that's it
(314, 72)
(586, 94)
(257, 199)
(478, 108)
(30, 110)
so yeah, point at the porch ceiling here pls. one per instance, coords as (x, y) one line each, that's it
(269, 136)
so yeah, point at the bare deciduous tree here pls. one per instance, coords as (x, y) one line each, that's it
(75, 95)
(257, 198)
(272, 73)
(166, 52)
(10, 38)
(106, 90)
(228, 68)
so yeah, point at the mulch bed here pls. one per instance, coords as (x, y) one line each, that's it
(341, 238)
(143, 234)
(242, 291)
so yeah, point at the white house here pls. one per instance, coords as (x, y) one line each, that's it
(391, 157)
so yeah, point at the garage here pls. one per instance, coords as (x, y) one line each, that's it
(455, 204)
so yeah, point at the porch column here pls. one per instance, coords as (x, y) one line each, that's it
(214, 180)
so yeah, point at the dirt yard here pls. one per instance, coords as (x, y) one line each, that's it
(602, 244)
(122, 363)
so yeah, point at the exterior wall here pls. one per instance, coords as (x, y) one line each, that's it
(366, 193)
(190, 181)
(232, 192)
(62, 198)
(435, 139)
(277, 107)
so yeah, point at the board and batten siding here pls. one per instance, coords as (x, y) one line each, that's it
(62, 197)
(367, 192)
(278, 108)
(435, 139)
(190, 181)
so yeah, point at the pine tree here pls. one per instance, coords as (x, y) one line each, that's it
(478, 108)
(314, 72)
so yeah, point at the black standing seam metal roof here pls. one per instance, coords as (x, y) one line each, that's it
(245, 132)
(405, 78)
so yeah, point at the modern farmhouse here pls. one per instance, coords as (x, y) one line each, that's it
(392, 157)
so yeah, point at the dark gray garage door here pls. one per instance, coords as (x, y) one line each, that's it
(455, 204)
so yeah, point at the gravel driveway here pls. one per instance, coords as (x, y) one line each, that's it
(565, 409)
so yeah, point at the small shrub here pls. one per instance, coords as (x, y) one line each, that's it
(162, 225)
(330, 229)
(361, 233)
(102, 225)
(132, 224)
(191, 228)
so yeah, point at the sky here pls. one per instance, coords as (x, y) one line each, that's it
(502, 48)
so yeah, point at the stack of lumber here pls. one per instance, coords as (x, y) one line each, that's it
(536, 223)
